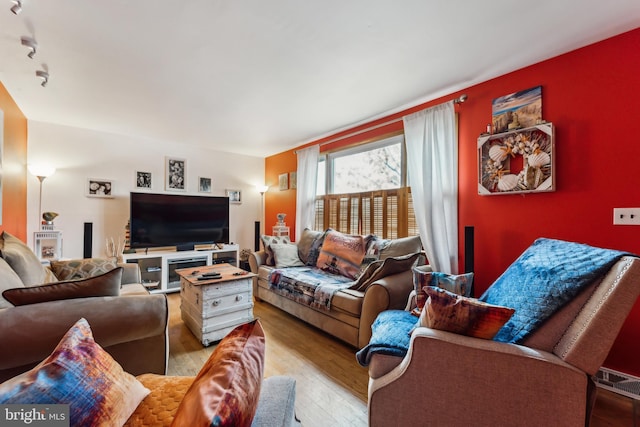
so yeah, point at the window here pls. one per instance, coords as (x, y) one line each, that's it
(367, 192)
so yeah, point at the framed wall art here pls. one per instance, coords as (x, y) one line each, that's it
(235, 196)
(143, 180)
(204, 185)
(520, 161)
(293, 180)
(97, 187)
(176, 174)
(283, 181)
(517, 110)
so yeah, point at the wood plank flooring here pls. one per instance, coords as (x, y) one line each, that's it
(331, 385)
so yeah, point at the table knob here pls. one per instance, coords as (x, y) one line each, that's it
(239, 297)
(216, 302)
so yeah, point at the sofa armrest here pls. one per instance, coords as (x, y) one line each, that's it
(460, 379)
(256, 259)
(130, 273)
(388, 293)
(132, 328)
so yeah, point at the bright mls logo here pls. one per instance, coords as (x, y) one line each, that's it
(34, 415)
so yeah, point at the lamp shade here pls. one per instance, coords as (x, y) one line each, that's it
(41, 170)
(262, 188)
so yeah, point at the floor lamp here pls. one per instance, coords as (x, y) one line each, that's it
(41, 172)
(259, 230)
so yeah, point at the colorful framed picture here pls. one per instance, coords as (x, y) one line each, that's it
(235, 196)
(204, 185)
(283, 181)
(97, 187)
(517, 110)
(175, 174)
(143, 180)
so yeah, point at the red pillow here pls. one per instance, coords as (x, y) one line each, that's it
(225, 392)
(341, 254)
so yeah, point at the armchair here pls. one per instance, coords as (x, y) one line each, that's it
(448, 379)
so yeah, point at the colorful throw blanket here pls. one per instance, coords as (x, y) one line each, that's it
(307, 285)
(542, 280)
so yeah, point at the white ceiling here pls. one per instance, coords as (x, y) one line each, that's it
(259, 77)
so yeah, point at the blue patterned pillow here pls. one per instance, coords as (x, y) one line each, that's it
(84, 376)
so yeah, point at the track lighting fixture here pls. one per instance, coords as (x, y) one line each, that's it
(31, 44)
(17, 7)
(44, 76)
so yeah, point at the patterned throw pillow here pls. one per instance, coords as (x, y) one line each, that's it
(423, 276)
(447, 311)
(107, 284)
(226, 390)
(82, 268)
(341, 254)
(84, 376)
(267, 241)
(160, 406)
(306, 243)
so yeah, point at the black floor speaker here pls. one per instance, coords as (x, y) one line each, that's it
(468, 252)
(256, 243)
(87, 249)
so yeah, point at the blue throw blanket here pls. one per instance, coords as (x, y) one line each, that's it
(542, 280)
(390, 334)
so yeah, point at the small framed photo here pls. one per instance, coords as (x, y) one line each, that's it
(99, 188)
(283, 181)
(143, 180)
(204, 185)
(176, 174)
(235, 196)
(293, 180)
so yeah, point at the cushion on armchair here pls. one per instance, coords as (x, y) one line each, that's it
(451, 312)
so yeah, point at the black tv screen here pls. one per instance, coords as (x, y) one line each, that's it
(177, 220)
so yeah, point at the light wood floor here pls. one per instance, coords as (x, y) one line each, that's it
(331, 385)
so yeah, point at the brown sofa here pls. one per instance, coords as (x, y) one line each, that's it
(352, 311)
(132, 327)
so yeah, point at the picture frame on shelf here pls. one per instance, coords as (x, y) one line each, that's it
(175, 174)
(283, 181)
(98, 187)
(143, 180)
(235, 196)
(204, 185)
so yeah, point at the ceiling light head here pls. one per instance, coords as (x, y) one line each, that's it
(460, 99)
(44, 76)
(17, 7)
(31, 44)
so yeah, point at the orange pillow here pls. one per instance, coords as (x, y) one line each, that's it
(226, 390)
(447, 311)
(341, 254)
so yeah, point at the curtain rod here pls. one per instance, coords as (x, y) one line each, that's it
(459, 100)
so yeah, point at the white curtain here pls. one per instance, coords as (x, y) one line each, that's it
(307, 177)
(432, 167)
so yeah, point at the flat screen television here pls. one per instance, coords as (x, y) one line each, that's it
(177, 220)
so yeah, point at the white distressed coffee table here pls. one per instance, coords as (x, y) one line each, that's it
(212, 308)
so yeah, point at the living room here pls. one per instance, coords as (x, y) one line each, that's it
(588, 94)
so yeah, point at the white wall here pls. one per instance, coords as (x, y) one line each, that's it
(78, 154)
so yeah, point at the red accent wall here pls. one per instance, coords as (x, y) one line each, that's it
(592, 96)
(14, 160)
